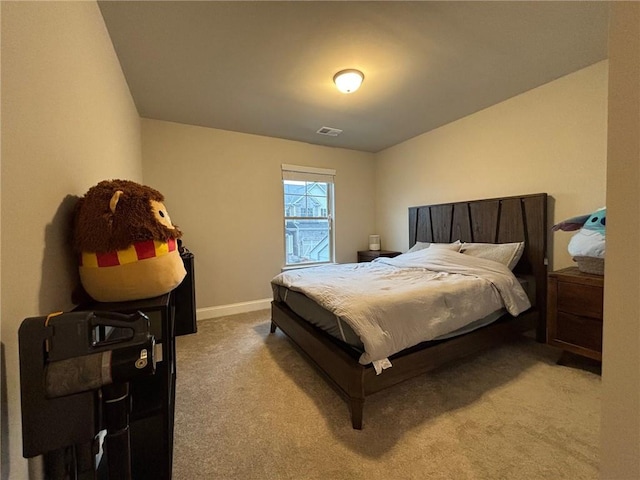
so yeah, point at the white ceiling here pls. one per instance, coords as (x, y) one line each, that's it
(266, 67)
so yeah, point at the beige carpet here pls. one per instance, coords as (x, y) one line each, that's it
(248, 406)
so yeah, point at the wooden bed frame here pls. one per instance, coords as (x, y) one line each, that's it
(498, 220)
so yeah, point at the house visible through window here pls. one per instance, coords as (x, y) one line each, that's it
(308, 215)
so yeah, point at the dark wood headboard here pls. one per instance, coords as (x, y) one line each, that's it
(495, 220)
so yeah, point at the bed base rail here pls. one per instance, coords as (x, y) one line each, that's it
(353, 381)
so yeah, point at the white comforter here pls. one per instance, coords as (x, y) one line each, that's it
(395, 303)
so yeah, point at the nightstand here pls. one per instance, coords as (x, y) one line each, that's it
(368, 255)
(574, 316)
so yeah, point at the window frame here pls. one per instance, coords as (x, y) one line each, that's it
(309, 175)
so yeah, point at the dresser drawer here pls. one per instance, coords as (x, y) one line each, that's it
(574, 315)
(581, 331)
(579, 299)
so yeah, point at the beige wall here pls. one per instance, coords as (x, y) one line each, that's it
(68, 121)
(620, 440)
(224, 190)
(551, 139)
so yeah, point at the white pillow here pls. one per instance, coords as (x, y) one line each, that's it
(506, 253)
(455, 246)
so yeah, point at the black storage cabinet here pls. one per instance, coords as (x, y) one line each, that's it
(152, 397)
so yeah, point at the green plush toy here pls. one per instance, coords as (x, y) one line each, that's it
(590, 239)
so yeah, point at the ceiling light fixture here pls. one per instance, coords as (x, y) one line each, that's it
(348, 81)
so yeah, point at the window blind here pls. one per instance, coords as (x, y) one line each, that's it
(308, 174)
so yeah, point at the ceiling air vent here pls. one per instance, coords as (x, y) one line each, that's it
(331, 132)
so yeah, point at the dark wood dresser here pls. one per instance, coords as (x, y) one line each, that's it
(368, 255)
(574, 316)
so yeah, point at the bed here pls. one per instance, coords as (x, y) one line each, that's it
(498, 220)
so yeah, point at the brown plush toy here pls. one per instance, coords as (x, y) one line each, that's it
(126, 242)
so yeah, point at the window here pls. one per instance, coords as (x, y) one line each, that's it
(308, 215)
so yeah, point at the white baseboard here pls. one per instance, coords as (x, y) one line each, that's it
(232, 309)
